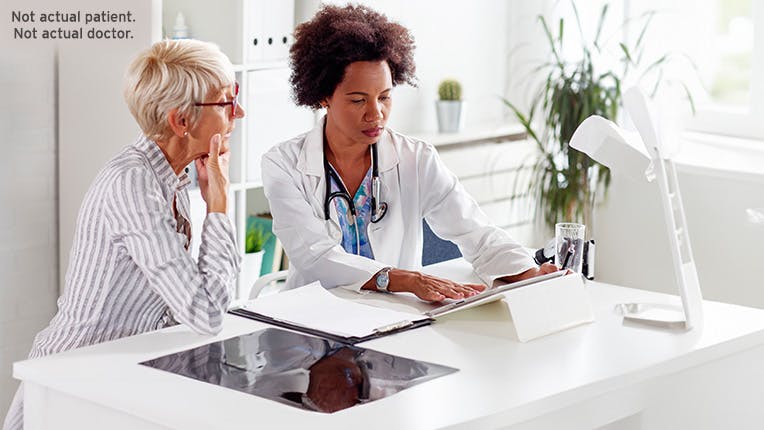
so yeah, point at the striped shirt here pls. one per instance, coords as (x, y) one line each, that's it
(130, 271)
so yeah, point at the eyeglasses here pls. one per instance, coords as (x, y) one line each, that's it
(234, 103)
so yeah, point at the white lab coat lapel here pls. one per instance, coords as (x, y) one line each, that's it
(311, 166)
(386, 235)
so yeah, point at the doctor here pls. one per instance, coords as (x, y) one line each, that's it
(349, 196)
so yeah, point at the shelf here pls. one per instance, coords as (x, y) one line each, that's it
(491, 132)
(251, 67)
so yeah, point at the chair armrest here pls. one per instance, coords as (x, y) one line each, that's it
(266, 280)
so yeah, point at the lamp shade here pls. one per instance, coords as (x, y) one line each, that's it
(620, 150)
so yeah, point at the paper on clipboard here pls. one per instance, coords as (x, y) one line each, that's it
(315, 310)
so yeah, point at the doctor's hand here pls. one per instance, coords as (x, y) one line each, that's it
(532, 273)
(427, 287)
(213, 176)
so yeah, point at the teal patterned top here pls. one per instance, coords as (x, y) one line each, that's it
(362, 202)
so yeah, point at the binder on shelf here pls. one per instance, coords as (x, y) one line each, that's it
(269, 28)
(253, 32)
(313, 310)
(277, 28)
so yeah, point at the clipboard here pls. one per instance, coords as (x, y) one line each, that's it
(313, 310)
(349, 340)
(490, 295)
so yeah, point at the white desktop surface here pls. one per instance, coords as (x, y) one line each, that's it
(583, 377)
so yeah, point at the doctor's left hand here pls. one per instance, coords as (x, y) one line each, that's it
(532, 273)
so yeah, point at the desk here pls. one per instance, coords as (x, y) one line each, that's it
(584, 377)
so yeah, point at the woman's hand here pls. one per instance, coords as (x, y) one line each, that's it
(427, 287)
(213, 176)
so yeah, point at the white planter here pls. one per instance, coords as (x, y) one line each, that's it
(250, 271)
(450, 115)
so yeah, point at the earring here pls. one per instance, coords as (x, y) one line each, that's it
(185, 133)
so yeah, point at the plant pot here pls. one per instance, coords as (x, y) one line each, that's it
(250, 270)
(450, 115)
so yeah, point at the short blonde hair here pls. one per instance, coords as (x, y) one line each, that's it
(174, 74)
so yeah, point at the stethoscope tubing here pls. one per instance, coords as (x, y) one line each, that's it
(378, 211)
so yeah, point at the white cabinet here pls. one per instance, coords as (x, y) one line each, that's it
(250, 32)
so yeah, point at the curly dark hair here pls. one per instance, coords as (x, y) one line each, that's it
(338, 36)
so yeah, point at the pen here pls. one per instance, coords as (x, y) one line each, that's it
(568, 256)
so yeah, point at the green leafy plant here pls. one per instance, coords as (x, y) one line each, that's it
(255, 239)
(450, 90)
(563, 180)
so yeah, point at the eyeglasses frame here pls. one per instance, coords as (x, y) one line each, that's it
(234, 103)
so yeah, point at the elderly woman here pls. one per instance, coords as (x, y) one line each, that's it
(130, 269)
(349, 196)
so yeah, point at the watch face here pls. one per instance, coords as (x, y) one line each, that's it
(382, 280)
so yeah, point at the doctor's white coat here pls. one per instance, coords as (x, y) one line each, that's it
(415, 184)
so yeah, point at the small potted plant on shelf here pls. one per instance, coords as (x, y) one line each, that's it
(449, 106)
(251, 265)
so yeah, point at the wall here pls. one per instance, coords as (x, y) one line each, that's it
(28, 218)
(95, 123)
(50, 156)
(452, 37)
(633, 246)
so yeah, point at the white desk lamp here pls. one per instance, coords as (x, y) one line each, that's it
(626, 153)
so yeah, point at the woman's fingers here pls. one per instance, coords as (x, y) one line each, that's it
(216, 166)
(201, 170)
(215, 147)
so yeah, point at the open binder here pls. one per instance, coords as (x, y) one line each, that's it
(314, 310)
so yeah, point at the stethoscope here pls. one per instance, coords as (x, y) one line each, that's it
(378, 207)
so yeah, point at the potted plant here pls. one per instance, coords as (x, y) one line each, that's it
(564, 181)
(449, 106)
(251, 265)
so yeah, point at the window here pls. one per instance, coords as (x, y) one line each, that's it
(715, 46)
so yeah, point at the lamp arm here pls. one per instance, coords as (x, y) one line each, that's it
(685, 271)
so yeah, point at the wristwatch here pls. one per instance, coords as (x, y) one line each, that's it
(383, 279)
